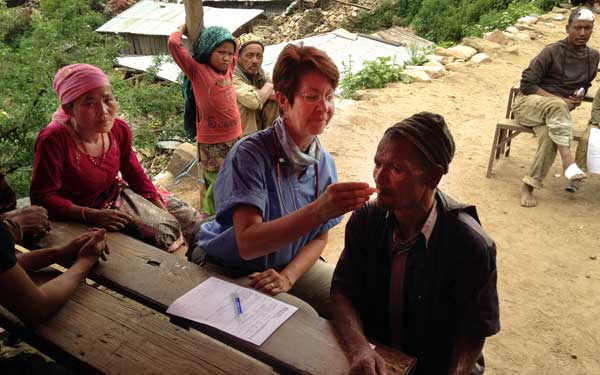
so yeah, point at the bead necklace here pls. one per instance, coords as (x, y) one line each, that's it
(97, 161)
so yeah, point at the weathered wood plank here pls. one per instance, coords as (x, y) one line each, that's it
(304, 344)
(101, 333)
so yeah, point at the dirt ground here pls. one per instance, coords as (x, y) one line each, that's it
(548, 256)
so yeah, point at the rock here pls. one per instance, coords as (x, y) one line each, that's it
(364, 95)
(433, 63)
(441, 59)
(523, 26)
(548, 24)
(566, 6)
(481, 58)
(432, 71)
(497, 36)
(528, 20)
(558, 17)
(458, 52)
(457, 67)
(559, 10)
(512, 50)
(417, 75)
(546, 17)
(482, 45)
(512, 30)
(520, 36)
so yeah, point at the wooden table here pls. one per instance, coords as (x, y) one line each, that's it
(304, 344)
(98, 332)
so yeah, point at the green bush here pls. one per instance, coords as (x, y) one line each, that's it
(502, 19)
(374, 74)
(447, 20)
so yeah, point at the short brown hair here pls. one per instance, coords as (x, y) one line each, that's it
(293, 62)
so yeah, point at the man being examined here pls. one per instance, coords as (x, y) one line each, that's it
(417, 272)
(254, 89)
(553, 85)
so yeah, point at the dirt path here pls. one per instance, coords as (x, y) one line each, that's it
(548, 256)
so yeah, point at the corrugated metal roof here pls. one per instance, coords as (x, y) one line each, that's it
(340, 45)
(157, 18)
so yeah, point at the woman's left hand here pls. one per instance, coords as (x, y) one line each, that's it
(270, 282)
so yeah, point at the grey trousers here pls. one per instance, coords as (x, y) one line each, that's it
(551, 122)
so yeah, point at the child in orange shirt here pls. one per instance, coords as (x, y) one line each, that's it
(210, 98)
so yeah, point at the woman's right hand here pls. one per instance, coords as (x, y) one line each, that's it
(183, 29)
(113, 220)
(94, 247)
(342, 197)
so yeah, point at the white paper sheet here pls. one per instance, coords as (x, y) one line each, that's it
(212, 303)
(593, 153)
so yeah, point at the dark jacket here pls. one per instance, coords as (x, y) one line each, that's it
(560, 69)
(450, 286)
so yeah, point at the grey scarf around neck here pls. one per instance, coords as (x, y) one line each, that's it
(299, 159)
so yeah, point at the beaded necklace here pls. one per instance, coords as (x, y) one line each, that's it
(97, 161)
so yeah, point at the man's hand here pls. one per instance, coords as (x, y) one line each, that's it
(270, 282)
(32, 220)
(342, 197)
(573, 101)
(365, 361)
(112, 220)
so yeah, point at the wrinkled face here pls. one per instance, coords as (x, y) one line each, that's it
(400, 175)
(251, 58)
(222, 56)
(313, 108)
(579, 32)
(94, 111)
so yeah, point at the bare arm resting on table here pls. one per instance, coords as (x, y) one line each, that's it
(363, 359)
(273, 282)
(33, 304)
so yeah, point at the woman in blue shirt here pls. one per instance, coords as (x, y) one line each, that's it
(276, 194)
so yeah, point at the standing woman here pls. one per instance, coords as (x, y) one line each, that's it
(210, 111)
(79, 155)
(277, 195)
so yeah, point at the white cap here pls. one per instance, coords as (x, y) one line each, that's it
(585, 15)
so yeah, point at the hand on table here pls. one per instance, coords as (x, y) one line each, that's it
(113, 220)
(342, 197)
(32, 220)
(270, 282)
(93, 245)
(366, 361)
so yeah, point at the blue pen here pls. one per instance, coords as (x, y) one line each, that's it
(238, 304)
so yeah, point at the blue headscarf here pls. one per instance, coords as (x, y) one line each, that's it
(211, 38)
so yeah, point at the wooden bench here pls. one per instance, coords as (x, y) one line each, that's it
(99, 333)
(305, 344)
(508, 128)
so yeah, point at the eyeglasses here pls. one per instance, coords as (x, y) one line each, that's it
(311, 97)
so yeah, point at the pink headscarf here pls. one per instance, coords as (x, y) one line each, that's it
(72, 81)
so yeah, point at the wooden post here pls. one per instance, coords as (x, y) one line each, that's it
(193, 20)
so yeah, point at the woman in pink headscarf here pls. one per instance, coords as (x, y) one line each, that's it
(79, 155)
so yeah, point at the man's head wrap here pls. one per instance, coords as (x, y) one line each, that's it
(72, 81)
(209, 40)
(429, 133)
(246, 44)
(581, 14)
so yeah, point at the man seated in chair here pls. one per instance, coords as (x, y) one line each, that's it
(417, 271)
(553, 85)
